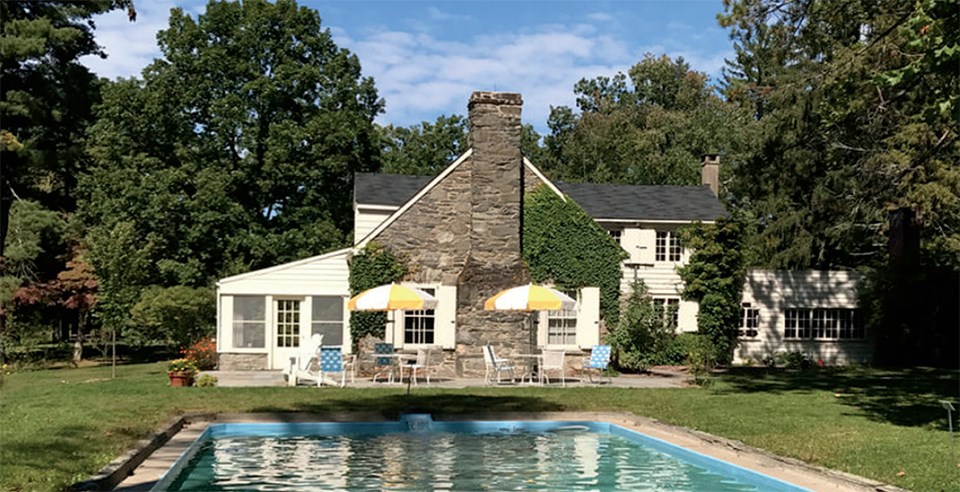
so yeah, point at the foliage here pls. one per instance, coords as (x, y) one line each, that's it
(203, 353)
(427, 148)
(176, 316)
(423, 149)
(701, 357)
(648, 126)
(35, 241)
(564, 246)
(46, 97)
(794, 360)
(182, 365)
(236, 150)
(372, 266)
(854, 114)
(683, 345)
(642, 336)
(206, 381)
(714, 278)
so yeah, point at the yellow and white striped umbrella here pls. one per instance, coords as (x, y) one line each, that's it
(530, 298)
(392, 297)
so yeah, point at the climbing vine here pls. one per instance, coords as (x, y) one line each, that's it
(373, 265)
(564, 246)
(714, 278)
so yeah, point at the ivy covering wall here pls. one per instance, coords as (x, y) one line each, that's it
(373, 265)
(714, 278)
(564, 246)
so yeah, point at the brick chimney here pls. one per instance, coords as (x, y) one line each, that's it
(494, 262)
(710, 172)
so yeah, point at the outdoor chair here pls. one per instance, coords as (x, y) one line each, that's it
(331, 361)
(420, 366)
(599, 360)
(383, 365)
(495, 365)
(553, 360)
(304, 361)
(350, 364)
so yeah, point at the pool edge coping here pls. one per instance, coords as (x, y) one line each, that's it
(123, 468)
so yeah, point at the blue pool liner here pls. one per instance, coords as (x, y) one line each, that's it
(423, 423)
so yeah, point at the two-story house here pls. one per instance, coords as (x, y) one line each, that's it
(461, 231)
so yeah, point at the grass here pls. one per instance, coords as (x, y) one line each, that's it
(60, 426)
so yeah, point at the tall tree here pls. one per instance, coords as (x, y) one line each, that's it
(847, 125)
(647, 126)
(237, 148)
(46, 97)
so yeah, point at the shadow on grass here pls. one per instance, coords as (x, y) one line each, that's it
(907, 397)
(392, 405)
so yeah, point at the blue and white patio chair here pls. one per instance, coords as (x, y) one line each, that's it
(383, 364)
(599, 360)
(331, 361)
(495, 365)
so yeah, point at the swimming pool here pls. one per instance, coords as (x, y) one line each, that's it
(417, 453)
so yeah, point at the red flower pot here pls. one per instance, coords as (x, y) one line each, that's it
(180, 378)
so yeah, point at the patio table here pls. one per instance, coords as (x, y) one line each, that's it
(530, 361)
(401, 357)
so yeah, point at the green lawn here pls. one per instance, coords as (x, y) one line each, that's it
(60, 426)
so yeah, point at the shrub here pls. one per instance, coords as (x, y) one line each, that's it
(642, 337)
(702, 357)
(795, 360)
(203, 353)
(681, 347)
(176, 316)
(206, 381)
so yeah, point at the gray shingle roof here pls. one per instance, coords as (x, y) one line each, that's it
(643, 202)
(601, 201)
(386, 189)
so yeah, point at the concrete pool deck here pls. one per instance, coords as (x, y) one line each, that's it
(796, 472)
(658, 379)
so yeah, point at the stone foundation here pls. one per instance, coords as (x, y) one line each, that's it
(242, 362)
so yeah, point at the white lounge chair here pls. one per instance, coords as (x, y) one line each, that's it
(304, 361)
(553, 360)
(420, 366)
(495, 365)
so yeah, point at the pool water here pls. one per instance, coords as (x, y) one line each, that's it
(562, 456)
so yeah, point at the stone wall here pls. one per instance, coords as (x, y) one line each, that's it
(242, 362)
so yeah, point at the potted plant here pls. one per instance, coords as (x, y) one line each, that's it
(181, 372)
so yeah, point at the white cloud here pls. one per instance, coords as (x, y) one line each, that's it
(438, 15)
(601, 17)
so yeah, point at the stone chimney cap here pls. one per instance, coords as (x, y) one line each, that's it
(710, 157)
(495, 98)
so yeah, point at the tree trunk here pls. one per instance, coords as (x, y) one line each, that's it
(78, 344)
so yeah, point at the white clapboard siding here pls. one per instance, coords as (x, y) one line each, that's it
(588, 317)
(445, 334)
(773, 291)
(326, 274)
(366, 219)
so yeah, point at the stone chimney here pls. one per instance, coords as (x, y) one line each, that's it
(496, 208)
(710, 172)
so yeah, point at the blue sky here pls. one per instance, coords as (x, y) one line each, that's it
(427, 57)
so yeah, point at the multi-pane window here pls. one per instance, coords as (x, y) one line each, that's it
(562, 325)
(749, 321)
(418, 326)
(288, 323)
(616, 234)
(823, 324)
(249, 321)
(667, 246)
(669, 309)
(327, 319)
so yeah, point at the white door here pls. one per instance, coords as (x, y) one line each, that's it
(286, 331)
